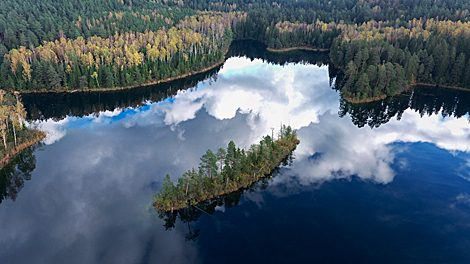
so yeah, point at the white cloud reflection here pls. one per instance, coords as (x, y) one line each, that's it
(55, 130)
(298, 95)
(102, 167)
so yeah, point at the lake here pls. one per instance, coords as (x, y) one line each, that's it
(385, 182)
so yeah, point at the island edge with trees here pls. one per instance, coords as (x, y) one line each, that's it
(226, 171)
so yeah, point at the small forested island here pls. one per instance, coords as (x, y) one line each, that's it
(226, 171)
(14, 134)
(382, 48)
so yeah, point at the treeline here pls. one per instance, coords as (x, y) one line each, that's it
(58, 106)
(30, 22)
(226, 171)
(290, 23)
(355, 11)
(382, 47)
(380, 60)
(264, 27)
(122, 60)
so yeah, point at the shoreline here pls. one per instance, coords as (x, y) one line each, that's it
(110, 89)
(296, 48)
(365, 100)
(413, 86)
(40, 135)
(155, 82)
(249, 180)
(442, 86)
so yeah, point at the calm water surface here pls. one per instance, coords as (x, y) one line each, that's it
(383, 183)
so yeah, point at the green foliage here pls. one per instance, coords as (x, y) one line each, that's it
(117, 45)
(241, 168)
(355, 11)
(208, 165)
(67, 45)
(29, 22)
(431, 52)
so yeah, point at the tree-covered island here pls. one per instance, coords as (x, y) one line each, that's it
(226, 171)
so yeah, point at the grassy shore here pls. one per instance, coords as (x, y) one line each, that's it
(364, 100)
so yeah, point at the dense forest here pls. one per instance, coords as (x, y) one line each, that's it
(226, 171)
(122, 60)
(383, 60)
(382, 47)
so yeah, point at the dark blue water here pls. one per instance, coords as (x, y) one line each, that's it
(422, 216)
(397, 193)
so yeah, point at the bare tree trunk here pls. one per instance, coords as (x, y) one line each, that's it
(187, 185)
(14, 133)
(4, 140)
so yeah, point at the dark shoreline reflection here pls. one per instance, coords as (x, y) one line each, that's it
(16, 172)
(423, 99)
(256, 50)
(193, 213)
(59, 105)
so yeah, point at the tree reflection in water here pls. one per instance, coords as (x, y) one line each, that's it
(191, 214)
(60, 105)
(16, 172)
(424, 100)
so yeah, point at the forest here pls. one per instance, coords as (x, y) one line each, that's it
(382, 47)
(59, 105)
(226, 171)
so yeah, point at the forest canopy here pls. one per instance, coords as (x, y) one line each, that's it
(382, 47)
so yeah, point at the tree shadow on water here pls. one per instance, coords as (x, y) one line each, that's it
(16, 172)
(191, 214)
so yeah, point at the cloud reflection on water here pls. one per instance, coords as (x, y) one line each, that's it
(97, 171)
(298, 95)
